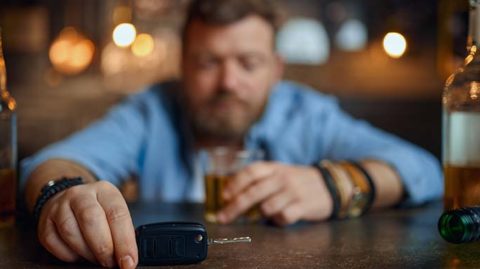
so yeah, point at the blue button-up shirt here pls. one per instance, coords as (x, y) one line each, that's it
(146, 136)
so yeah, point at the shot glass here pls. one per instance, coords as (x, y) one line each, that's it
(219, 167)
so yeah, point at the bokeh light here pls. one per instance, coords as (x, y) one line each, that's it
(71, 52)
(307, 34)
(394, 44)
(124, 34)
(143, 45)
(352, 36)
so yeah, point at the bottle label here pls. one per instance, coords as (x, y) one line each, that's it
(463, 138)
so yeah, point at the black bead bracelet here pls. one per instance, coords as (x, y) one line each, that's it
(50, 189)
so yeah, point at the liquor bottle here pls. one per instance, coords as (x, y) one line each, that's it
(460, 225)
(8, 149)
(461, 124)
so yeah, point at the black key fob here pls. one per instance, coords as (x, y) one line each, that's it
(171, 243)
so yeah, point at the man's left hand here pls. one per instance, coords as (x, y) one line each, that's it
(285, 193)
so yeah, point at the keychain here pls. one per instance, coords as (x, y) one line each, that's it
(169, 243)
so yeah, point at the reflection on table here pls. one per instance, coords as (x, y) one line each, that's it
(397, 238)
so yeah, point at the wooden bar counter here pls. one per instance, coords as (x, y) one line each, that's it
(396, 238)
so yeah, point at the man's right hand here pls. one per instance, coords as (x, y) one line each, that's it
(89, 221)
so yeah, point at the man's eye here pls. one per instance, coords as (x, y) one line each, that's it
(250, 64)
(207, 63)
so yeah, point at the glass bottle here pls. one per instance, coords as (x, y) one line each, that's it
(461, 124)
(8, 149)
(460, 225)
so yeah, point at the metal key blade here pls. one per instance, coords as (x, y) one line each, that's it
(221, 241)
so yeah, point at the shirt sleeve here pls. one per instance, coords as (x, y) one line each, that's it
(108, 148)
(349, 138)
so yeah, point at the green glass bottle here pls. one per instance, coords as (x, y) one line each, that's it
(460, 225)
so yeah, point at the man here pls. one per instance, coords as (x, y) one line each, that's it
(230, 94)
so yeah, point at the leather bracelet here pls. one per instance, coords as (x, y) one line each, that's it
(50, 189)
(370, 183)
(332, 189)
(344, 186)
(362, 193)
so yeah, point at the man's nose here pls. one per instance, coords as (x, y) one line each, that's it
(229, 79)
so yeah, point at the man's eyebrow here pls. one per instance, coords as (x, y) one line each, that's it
(202, 55)
(252, 54)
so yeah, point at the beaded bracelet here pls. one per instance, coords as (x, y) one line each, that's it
(50, 189)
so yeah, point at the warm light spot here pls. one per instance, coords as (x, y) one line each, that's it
(124, 34)
(143, 45)
(71, 52)
(394, 45)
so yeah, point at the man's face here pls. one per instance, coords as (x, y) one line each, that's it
(228, 72)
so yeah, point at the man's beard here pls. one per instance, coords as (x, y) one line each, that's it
(227, 125)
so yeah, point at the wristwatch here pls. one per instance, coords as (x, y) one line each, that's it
(50, 189)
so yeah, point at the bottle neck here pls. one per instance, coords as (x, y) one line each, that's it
(473, 40)
(3, 70)
(460, 225)
(6, 100)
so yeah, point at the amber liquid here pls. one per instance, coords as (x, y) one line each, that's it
(462, 186)
(214, 202)
(8, 190)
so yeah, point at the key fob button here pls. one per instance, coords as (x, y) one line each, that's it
(178, 247)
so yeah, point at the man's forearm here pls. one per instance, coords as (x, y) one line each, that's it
(388, 184)
(52, 169)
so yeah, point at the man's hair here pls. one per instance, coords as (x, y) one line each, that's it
(225, 12)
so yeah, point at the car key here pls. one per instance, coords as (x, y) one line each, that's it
(170, 243)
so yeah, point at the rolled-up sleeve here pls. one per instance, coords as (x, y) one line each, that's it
(108, 148)
(349, 138)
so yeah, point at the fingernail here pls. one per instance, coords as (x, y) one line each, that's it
(126, 262)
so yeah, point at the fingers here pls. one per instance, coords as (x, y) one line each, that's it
(252, 195)
(91, 221)
(69, 231)
(94, 227)
(286, 193)
(277, 202)
(51, 240)
(290, 214)
(121, 227)
(247, 177)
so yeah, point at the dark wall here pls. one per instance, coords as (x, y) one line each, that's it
(418, 121)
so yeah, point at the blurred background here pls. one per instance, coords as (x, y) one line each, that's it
(68, 61)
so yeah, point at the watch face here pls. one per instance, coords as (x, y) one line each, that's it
(358, 203)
